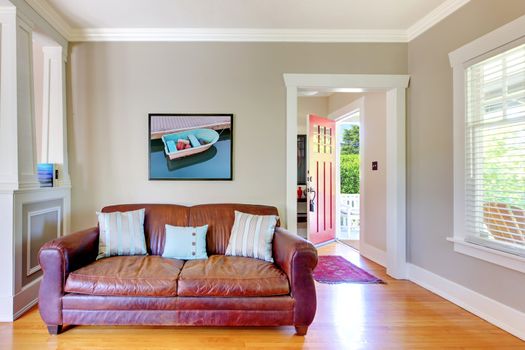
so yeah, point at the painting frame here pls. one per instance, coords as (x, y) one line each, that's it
(190, 115)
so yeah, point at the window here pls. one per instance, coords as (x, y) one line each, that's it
(495, 152)
(489, 146)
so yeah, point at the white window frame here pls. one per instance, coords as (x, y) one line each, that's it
(488, 45)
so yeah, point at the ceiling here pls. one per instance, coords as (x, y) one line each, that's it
(327, 92)
(315, 14)
(389, 19)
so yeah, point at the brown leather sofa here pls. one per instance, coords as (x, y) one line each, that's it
(222, 290)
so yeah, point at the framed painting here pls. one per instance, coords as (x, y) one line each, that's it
(190, 146)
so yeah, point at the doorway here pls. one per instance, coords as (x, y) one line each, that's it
(329, 169)
(349, 179)
(395, 88)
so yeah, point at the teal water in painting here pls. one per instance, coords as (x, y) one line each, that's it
(213, 163)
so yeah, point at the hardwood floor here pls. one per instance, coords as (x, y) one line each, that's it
(396, 315)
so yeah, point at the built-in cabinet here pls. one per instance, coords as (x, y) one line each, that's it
(30, 215)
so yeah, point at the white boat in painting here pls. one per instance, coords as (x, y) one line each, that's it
(199, 139)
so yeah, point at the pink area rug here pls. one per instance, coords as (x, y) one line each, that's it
(334, 269)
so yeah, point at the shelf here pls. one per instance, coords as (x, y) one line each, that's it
(302, 217)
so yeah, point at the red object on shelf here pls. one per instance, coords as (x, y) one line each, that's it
(299, 192)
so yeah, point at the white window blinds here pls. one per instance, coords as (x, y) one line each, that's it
(495, 152)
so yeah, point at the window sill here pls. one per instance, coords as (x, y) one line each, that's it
(494, 256)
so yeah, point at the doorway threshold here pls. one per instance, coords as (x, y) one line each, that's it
(322, 244)
(352, 243)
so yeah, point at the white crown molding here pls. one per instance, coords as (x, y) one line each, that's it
(244, 34)
(433, 17)
(237, 35)
(56, 20)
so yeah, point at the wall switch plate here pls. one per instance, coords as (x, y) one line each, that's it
(374, 165)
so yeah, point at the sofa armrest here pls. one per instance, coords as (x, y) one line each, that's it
(297, 258)
(57, 258)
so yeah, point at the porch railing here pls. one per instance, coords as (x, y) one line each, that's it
(349, 209)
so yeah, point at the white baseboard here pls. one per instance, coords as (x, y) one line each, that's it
(370, 252)
(6, 309)
(26, 298)
(12, 307)
(26, 308)
(498, 314)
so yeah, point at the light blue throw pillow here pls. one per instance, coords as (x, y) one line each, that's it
(185, 243)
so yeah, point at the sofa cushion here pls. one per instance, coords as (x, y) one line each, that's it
(121, 233)
(127, 275)
(231, 276)
(252, 236)
(73, 301)
(157, 216)
(220, 218)
(186, 243)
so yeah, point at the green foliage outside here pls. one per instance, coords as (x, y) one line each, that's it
(502, 170)
(350, 144)
(350, 173)
(350, 161)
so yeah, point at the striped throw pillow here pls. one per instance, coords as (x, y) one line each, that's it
(121, 233)
(252, 236)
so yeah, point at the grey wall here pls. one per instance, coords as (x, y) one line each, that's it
(113, 87)
(342, 99)
(429, 128)
(310, 105)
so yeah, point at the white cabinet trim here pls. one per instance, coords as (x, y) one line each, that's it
(32, 269)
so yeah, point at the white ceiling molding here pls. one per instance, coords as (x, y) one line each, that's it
(52, 17)
(238, 35)
(243, 34)
(435, 16)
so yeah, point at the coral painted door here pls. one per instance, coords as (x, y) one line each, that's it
(321, 179)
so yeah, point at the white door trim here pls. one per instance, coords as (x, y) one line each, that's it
(395, 86)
